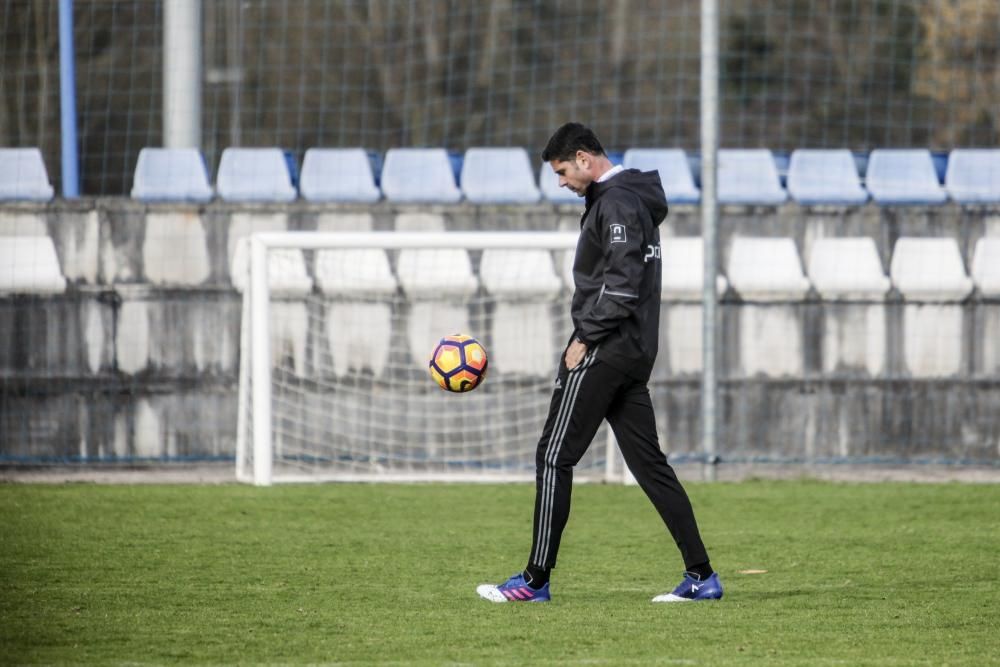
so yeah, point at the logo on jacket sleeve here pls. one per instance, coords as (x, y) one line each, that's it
(617, 233)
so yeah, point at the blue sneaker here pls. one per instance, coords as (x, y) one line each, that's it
(515, 589)
(693, 589)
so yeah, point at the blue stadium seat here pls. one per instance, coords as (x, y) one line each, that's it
(825, 177)
(749, 176)
(903, 176)
(675, 174)
(23, 175)
(338, 175)
(171, 174)
(548, 183)
(498, 176)
(255, 175)
(419, 175)
(973, 175)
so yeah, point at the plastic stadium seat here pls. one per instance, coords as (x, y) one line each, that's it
(930, 272)
(524, 283)
(986, 266)
(749, 176)
(436, 273)
(419, 222)
(255, 175)
(675, 174)
(498, 176)
(825, 177)
(548, 183)
(438, 283)
(684, 269)
(338, 175)
(766, 269)
(929, 269)
(681, 311)
(354, 272)
(419, 175)
(847, 268)
(286, 270)
(29, 265)
(171, 174)
(770, 334)
(849, 272)
(973, 175)
(903, 176)
(519, 273)
(359, 330)
(23, 175)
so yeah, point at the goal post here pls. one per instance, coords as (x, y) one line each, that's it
(336, 332)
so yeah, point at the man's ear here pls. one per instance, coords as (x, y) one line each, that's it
(583, 160)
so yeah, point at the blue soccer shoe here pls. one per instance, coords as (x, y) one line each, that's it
(693, 590)
(515, 589)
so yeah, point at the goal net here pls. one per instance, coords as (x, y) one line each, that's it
(338, 329)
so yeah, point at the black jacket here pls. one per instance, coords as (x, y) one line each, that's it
(616, 305)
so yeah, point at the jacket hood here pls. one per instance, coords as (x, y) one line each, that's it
(645, 184)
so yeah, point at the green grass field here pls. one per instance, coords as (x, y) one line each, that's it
(880, 574)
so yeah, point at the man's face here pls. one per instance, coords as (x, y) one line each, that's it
(574, 174)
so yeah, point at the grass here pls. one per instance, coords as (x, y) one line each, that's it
(885, 574)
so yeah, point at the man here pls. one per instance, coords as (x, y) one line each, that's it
(606, 365)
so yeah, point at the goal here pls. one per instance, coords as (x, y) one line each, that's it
(337, 331)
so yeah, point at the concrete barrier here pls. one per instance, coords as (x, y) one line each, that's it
(138, 358)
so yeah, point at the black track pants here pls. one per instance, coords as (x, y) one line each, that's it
(583, 398)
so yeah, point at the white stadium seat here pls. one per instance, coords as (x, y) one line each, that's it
(903, 176)
(524, 283)
(23, 175)
(354, 272)
(338, 175)
(419, 222)
(171, 175)
(683, 260)
(825, 177)
(930, 275)
(681, 291)
(255, 175)
(986, 276)
(672, 165)
(438, 283)
(846, 271)
(973, 175)
(749, 176)
(847, 268)
(768, 270)
(929, 269)
(359, 330)
(498, 176)
(286, 270)
(986, 266)
(419, 175)
(29, 265)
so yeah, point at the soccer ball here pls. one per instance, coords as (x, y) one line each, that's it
(458, 363)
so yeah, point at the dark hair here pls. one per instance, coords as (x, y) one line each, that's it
(569, 139)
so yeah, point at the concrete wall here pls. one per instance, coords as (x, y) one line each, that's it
(139, 357)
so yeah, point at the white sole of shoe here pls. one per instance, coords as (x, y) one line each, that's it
(491, 593)
(670, 597)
